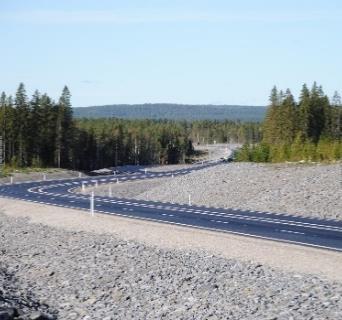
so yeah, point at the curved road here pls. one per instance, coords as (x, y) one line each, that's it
(326, 234)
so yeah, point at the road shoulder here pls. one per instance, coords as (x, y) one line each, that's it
(323, 263)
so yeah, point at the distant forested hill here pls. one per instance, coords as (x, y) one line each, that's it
(173, 112)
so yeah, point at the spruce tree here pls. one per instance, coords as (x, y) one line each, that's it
(305, 113)
(36, 124)
(64, 130)
(22, 113)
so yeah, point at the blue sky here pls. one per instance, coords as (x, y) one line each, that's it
(182, 51)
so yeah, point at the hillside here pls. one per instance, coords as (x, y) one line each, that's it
(173, 112)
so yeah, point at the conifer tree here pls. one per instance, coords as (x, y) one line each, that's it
(64, 130)
(305, 113)
(22, 113)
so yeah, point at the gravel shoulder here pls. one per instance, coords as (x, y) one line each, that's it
(49, 174)
(282, 256)
(67, 264)
(76, 266)
(296, 189)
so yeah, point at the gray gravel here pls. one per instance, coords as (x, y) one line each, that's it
(298, 189)
(128, 189)
(82, 275)
(50, 174)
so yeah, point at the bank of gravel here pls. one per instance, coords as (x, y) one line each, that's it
(298, 189)
(50, 174)
(81, 275)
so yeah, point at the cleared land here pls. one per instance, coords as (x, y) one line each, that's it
(106, 267)
(298, 189)
(65, 262)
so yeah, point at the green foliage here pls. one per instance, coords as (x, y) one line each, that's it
(244, 153)
(170, 111)
(31, 129)
(40, 132)
(307, 131)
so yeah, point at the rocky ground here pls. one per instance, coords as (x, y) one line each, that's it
(298, 189)
(82, 275)
(50, 174)
(309, 190)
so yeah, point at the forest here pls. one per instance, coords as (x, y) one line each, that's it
(307, 130)
(172, 111)
(39, 132)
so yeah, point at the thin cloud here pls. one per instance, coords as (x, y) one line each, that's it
(107, 17)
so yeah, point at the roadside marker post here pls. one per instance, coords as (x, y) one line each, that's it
(172, 176)
(80, 174)
(189, 199)
(92, 203)
(11, 180)
(117, 180)
(110, 191)
(96, 184)
(44, 176)
(83, 187)
(145, 171)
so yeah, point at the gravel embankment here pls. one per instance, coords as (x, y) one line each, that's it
(129, 189)
(83, 275)
(308, 190)
(49, 174)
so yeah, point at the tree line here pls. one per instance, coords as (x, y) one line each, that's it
(41, 132)
(309, 129)
(172, 111)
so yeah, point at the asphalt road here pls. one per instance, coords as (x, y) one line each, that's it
(326, 234)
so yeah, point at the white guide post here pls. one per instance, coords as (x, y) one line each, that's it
(11, 180)
(80, 174)
(96, 184)
(117, 180)
(172, 176)
(83, 187)
(110, 191)
(189, 199)
(44, 176)
(92, 203)
(145, 171)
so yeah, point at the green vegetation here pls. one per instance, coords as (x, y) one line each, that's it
(41, 133)
(309, 130)
(111, 142)
(171, 111)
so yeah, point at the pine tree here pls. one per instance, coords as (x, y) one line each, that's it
(270, 125)
(36, 125)
(64, 130)
(336, 116)
(305, 113)
(287, 120)
(317, 109)
(22, 112)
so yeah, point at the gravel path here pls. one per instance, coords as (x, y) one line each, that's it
(83, 275)
(309, 190)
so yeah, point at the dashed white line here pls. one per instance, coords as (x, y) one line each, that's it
(290, 231)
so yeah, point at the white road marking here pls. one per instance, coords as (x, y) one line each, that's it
(290, 231)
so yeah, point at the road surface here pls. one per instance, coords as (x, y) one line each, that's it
(326, 234)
